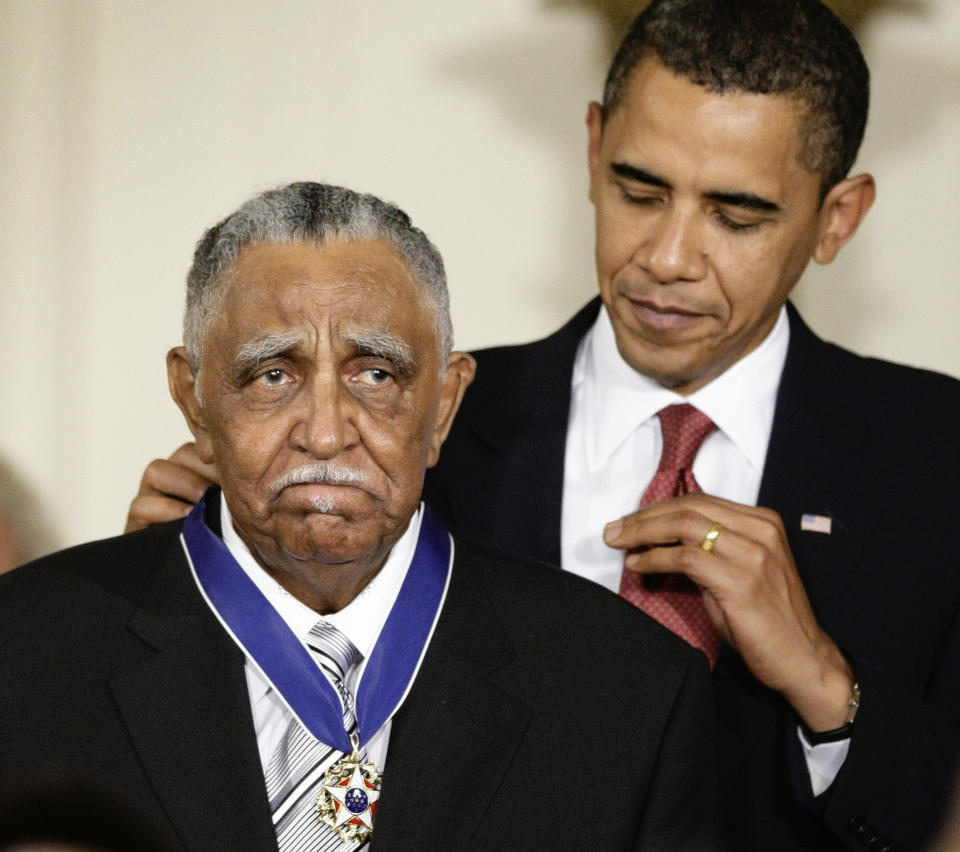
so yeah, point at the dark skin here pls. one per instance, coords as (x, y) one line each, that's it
(320, 356)
(170, 488)
(705, 221)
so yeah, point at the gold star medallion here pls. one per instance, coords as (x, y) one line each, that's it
(348, 796)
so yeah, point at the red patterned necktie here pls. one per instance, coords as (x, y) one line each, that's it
(672, 599)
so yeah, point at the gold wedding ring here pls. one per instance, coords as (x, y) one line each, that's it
(710, 539)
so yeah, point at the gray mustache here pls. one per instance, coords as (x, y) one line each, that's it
(320, 473)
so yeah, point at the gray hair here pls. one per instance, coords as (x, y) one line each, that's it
(308, 212)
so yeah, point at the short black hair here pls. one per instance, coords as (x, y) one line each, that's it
(794, 48)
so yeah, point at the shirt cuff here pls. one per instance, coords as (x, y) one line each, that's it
(823, 761)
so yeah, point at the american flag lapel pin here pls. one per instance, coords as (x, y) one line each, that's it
(816, 523)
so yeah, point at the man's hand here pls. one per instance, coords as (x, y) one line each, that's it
(752, 592)
(170, 488)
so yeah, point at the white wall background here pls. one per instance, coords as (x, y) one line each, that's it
(129, 126)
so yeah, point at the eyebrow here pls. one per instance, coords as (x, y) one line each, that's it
(748, 200)
(625, 170)
(251, 355)
(382, 344)
(744, 199)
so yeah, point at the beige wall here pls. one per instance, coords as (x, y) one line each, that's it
(895, 290)
(128, 126)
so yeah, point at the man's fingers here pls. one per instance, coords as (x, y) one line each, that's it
(722, 565)
(707, 504)
(170, 488)
(146, 510)
(643, 529)
(188, 457)
(751, 590)
(688, 521)
(164, 478)
(735, 568)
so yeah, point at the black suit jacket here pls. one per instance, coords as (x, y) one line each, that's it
(871, 444)
(114, 670)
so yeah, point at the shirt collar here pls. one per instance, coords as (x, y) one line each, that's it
(617, 399)
(362, 619)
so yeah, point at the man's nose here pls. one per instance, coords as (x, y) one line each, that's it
(325, 426)
(674, 250)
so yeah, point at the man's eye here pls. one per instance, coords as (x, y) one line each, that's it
(375, 376)
(734, 225)
(639, 200)
(273, 377)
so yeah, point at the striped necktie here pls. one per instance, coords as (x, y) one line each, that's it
(299, 763)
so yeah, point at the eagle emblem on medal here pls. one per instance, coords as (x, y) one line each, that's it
(348, 797)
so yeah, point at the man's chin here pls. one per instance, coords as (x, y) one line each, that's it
(328, 538)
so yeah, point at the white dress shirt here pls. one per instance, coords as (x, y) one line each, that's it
(614, 444)
(360, 621)
(614, 441)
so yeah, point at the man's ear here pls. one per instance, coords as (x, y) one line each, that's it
(460, 372)
(183, 389)
(594, 138)
(843, 210)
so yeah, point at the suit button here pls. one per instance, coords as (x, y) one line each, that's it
(857, 826)
(871, 838)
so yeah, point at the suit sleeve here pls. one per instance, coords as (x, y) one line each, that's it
(883, 583)
(683, 800)
(892, 787)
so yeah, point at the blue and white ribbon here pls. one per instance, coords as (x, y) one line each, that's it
(265, 637)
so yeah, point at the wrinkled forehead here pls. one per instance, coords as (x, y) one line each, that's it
(348, 293)
(341, 268)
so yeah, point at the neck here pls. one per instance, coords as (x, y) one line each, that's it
(329, 588)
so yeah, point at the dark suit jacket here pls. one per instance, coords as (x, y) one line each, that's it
(114, 669)
(874, 446)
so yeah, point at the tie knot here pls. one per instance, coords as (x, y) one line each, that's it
(684, 430)
(333, 651)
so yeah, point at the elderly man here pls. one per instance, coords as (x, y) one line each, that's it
(719, 166)
(308, 661)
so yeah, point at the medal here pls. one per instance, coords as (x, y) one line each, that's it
(350, 789)
(348, 795)
(265, 638)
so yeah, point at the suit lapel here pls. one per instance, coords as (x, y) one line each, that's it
(817, 464)
(454, 710)
(188, 713)
(518, 413)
